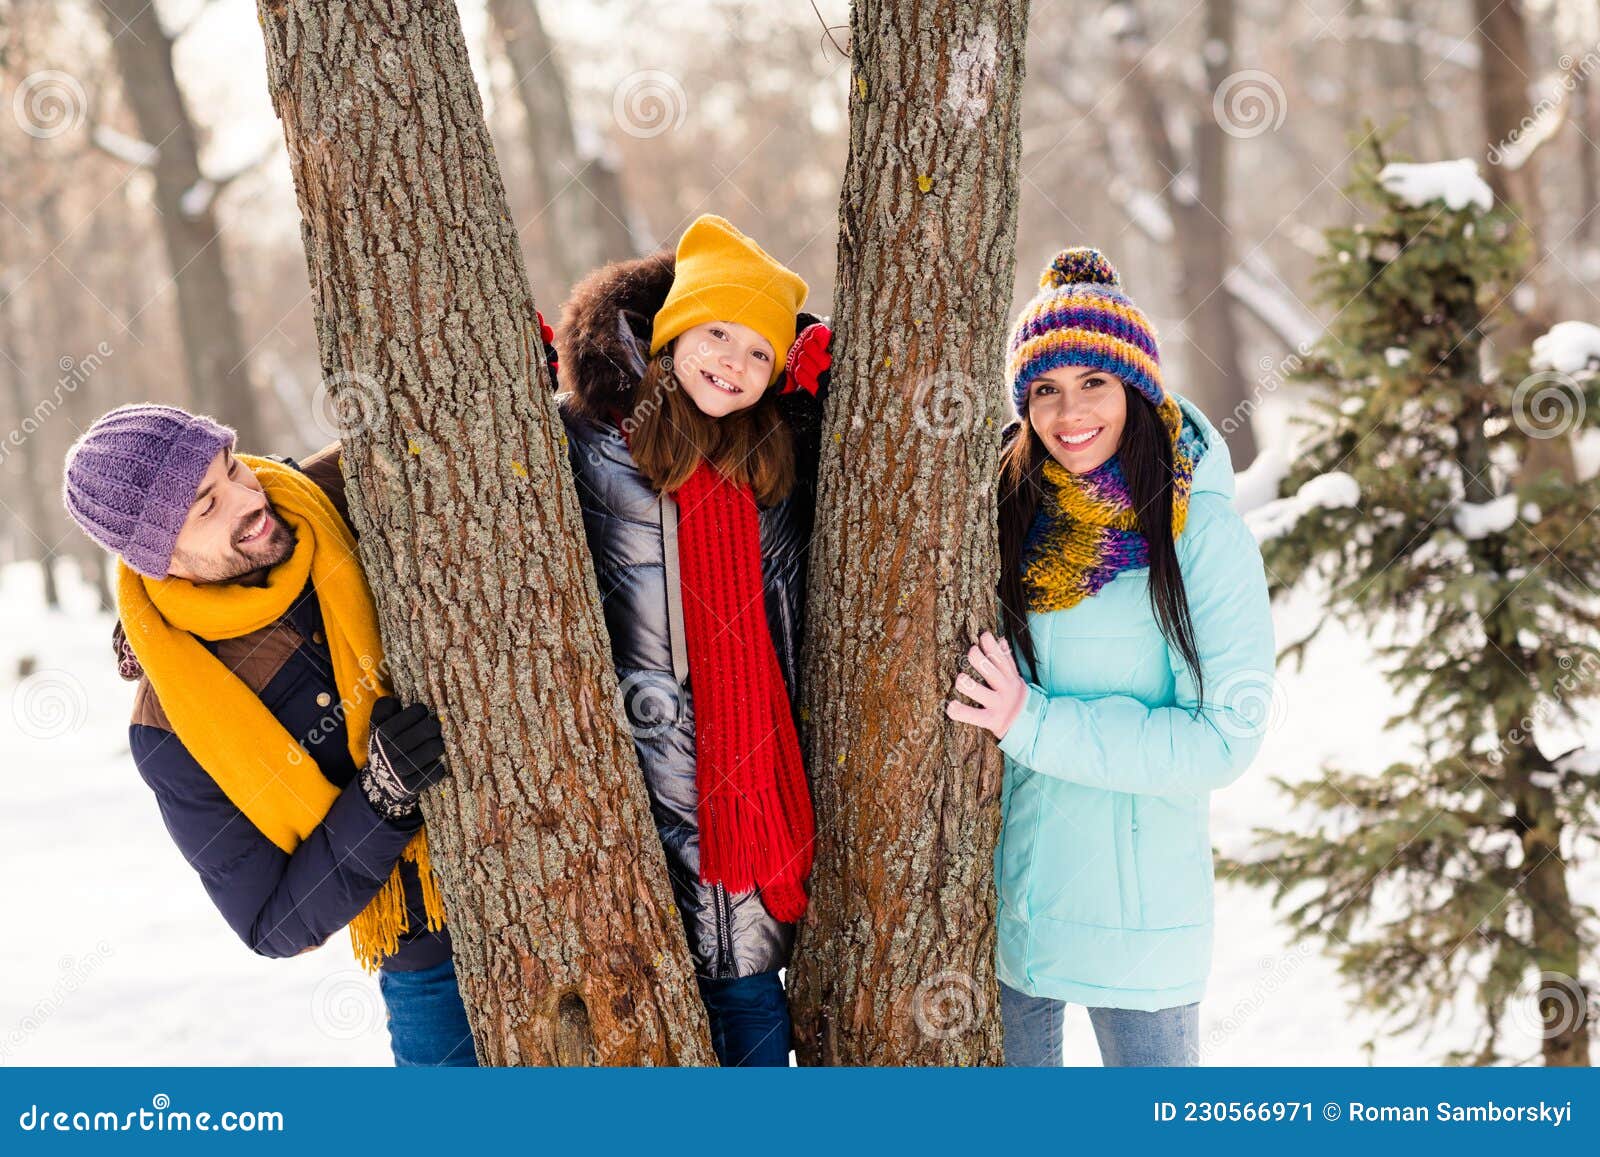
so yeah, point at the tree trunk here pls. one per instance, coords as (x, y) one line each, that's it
(567, 943)
(214, 353)
(895, 961)
(1502, 37)
(1195, 193)
(581, 230)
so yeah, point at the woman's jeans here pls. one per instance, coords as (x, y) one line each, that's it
(427, 1022)
(1169, 1037)
(749, 1019)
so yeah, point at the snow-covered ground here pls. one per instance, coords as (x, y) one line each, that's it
(114, 955)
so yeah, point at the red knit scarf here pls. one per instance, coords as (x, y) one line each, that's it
(756, 826)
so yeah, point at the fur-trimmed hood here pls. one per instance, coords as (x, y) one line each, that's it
(604, 337)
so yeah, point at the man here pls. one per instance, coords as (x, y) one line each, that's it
(284, 771)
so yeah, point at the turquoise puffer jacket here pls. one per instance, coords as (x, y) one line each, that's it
(1104, 865)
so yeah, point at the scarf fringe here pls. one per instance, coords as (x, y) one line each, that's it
(375, 932)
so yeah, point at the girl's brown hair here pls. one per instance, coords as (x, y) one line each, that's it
(668, 436)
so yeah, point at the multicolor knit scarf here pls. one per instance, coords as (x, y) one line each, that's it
(1086, 532)
(756, 824)
(258, 765)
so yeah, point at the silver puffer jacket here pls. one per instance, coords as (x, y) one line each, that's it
(632, 535)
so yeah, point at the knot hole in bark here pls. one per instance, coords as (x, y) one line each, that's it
(574, 1035)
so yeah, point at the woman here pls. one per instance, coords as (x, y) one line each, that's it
(694, 456)
(1137, 600)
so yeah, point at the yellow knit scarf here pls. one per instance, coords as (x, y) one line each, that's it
(258, 765)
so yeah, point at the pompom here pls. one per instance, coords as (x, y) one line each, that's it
(1079, 264)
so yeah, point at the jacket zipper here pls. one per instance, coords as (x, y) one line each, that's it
(724, 917)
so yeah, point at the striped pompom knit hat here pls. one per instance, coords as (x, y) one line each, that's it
(1081, 317)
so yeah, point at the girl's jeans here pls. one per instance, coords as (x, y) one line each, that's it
(749, 1019)
(1128, 1037)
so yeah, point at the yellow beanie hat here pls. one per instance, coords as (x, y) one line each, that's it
(722, 275)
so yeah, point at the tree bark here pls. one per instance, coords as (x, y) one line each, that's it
(895, 961)
(567, 943)
(581, 229)
(214, 353)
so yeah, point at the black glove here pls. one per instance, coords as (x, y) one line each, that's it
(405, 756)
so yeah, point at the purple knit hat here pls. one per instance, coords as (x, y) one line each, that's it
(132, 476)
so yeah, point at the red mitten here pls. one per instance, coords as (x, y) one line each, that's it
(548, 336)
(809, 360)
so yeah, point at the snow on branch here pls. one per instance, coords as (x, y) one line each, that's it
(130, 150)
(1571, 347)
(1324, 492)
(1456, 183)
(1475, 520)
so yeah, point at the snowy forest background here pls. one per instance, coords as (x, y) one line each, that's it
(150, 249)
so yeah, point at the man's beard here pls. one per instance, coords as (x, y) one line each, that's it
(249, 565)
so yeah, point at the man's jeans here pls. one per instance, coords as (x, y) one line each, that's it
(427, 1022)
(749, 1019)
(1169, 1037)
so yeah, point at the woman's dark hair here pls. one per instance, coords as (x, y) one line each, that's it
(668, 436)
(1146, 452)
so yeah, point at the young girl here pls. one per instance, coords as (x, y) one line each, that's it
(1138, 602)
(695, 455)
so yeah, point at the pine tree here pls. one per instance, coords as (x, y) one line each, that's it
(1443, 880)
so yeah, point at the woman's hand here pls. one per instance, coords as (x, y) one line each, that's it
(1001, 693)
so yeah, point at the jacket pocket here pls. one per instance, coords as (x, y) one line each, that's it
(1172, 859)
